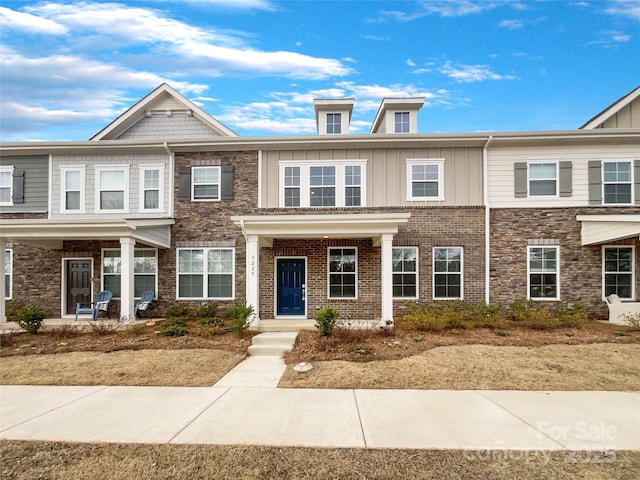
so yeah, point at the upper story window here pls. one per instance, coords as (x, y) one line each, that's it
(616, 182)
(405, 272)
(401, 122)
(425, 179)
(543, 269)
(322, 184)
(112, 192)
(72, 200)
(151, 187)
(8, 268)
(343, 272)
(618, 271)
(543, 179)
(334, 123)
(6, 185)
(145, 271)
(206, 184)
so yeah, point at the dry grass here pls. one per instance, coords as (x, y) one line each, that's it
(131, 368)
(483, 367)
(60, 461)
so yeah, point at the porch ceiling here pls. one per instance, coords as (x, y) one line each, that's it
(51, 233)
(608, 228)
(357, 225)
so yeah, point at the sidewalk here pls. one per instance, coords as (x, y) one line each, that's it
(236, 415)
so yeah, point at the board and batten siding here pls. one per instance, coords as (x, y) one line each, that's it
(135, 162)
(386, 173)
(36, 183)
(501, 178)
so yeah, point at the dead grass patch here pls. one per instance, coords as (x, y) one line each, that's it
(484, 367)
(131, 368)
(51, 460)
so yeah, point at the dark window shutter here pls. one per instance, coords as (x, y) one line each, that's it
(184, 184)
(226, 184)
(595, 182)
(565, 179)
(636, 173)
(520, 179)
(18, 186)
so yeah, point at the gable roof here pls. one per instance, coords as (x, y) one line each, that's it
(157, 98)
(611, 110)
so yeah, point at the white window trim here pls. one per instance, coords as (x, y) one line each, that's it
(439, 162)
(329, 297)
(9, 170)
(205, 273)
(633, 270)
(395, 124)
(63, 188)
(10, 265)
(433, 273)
(193, 176)
(557, 273)
(341, 123)
(160, 169)
(112, 168)
(631, 182)
(102, 274)
(340, 184)
(553, 161)
(417, 274)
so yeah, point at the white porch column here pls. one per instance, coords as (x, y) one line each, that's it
(3, 247)
(127, 304)
(386, 279)
(252, 283)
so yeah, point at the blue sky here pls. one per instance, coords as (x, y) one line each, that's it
(69, 68)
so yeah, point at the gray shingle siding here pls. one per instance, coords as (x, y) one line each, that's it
(162, 127)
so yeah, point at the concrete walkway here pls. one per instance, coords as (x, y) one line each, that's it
(232, 415)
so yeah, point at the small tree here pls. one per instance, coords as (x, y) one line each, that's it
(31, 318)
(240, 316)
(326, 320)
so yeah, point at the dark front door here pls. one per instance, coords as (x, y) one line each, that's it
(78, 283)
(290, 286)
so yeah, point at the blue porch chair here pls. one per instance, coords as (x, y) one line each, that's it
(142, 307)
(100, 305)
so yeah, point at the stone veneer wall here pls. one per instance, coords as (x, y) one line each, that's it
(428, 227)
(580, 266)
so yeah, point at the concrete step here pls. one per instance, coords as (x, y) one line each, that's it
(284, 325)
(272, 343)
(272, 350)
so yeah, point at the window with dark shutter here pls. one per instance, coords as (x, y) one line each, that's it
(520, 179)
(595, 182)
(566, 187)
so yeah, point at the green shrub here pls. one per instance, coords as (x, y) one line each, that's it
(428, 320)
(484, 309)
(240, 316)
(521, 309)
(210, 322)
(326, 320)
(174, 327)
(13, 311)
(573, 317)
(207, 310)
(178, 310)
(541, 320)
(31, 318)
(632, 319)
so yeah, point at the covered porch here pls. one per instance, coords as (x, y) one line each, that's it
(50, 234)
(265, 231)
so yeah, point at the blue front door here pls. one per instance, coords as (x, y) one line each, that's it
(290, 286)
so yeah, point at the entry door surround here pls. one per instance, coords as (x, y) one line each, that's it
(291, 284)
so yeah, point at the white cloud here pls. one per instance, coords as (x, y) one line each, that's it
(24, 22)
(472, 73)
(239, 4)
(611, 38)
(511, 24)
(444, 8)
(411, 63)
(625, 8)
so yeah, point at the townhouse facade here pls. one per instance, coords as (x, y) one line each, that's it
(166, 198)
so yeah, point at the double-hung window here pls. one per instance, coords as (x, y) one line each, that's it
(401, 122)
(543, 179)
(206, 273)
(336, 183)
(618, 274)
(151, 187)
(334, 123)
(72, 200)
(447, 273)
(145, 271)
(8, 258)
(343, 272)
(405, 272)
(112, 192)
(616, 183)
(206, 184)
(425, 179)
(543, 271)
(6, 185)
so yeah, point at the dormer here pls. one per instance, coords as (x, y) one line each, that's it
(398, 115)
(333, 115)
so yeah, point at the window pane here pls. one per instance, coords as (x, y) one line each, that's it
(145, 261)
(142, 283)
(112, 180)
(617, 193)
(5, 179)
(425, 189)
(112, 200)
(292, 197)
(152, 179)
(111, 262)
(191, 261)
(190, 286)
(542, 171)
(292, 176)
(152, 199)
(220, 286)
(205, 191)
(542, 187)
(220, 261)
(322, 197)
(72, 180)
(72, 201)
(205, 175)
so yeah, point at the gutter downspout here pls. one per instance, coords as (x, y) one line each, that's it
(171, 179)
(487, 220)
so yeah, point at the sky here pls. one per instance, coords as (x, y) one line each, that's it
(67, 69)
